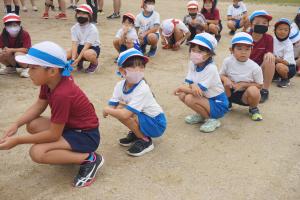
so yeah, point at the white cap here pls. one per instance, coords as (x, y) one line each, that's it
(205, 40)
(47, 54)
(192, 4)
(294, 34)
(242, 38)
(168, 27)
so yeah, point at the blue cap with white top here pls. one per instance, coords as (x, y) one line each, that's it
(260, 13)
(128, 54)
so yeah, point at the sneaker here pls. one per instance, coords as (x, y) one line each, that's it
(24, 73)
(264, 93)
(230, 106)
(232, 32)
(128, 140)
(210, 125)
(34, 8)
(61, 16)
(194, 119)
(24, 9)
(152, 52)
(101, 12)
(92, 68)
(8, 70)
(255, 114)
(218, 37)
(45, 16)
(283, 83)
(140, 147)
(88, 171)
(114, 16)
(143, 48)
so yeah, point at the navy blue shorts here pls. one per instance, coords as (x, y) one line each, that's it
(83, 141)
(236, 97)
(96, 49)
(237, 23)
(146, 38)
(291, 73)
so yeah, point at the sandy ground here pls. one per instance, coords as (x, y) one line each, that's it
(241, 160)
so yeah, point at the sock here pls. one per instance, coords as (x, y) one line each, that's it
(8, 8)
(145, 138)
(17, 10)
(91, 158)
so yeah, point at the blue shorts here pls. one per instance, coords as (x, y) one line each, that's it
(218, 106)
(152, 126)
(96, 49)
(146, 38)
(83, 141)
(123, 47)
(237, 23)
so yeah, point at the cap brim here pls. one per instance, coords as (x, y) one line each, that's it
(197, 42)
(12, 20)
(30, 60)
(144, 57)
(247, 43)
(192, 7)
(82, 10)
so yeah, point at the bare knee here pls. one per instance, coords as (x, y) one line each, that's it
(31, 127)
(282, 68)
(152, 38)
(231, 25)
(253, 92)
(89, 55)
(36, 154)
(189, 99)
(213, 28)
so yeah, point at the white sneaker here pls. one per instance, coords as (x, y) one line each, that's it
(7, 70)
(24, 9)
(210, 125)
(194, 119)
(34, 8)
(24, 73)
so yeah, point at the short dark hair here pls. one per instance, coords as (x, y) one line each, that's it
(146, 1)
(127, 18)
(202, 48)
(134, 61)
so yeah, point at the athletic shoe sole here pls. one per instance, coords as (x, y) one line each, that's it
(93, 178)
(148, 149)
(125, 145)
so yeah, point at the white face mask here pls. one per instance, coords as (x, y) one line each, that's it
(134, 77)
(13, 30)
(197, 58)
(149, 7)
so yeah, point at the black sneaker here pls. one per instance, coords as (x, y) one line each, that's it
(283, 83)
(128, 140)
(143, 48)
(87, 172)
(140, 147)
(114, 16)
(230, 106)
(218, 37)
(232, 32)
(264, 95)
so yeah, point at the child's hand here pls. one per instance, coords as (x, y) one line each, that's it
(177, 91)
(8, 143)
(228, 83)
(10, 131)
(269, 57)
(104, 113)
(239, 86)
(75, 63)
(196, 91)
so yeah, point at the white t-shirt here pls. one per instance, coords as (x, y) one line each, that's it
(200, 20)
(206, 78)
(85, 34)
(237, 71)
(145, 23)
(179, 24)
(237, 13)
(131, 34)
(284, 50)
(139, 98)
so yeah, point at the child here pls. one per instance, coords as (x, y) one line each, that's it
(295, 38)
(126, 36)
(212, 16)
(147, 25)
(70, 135)
(85, 40)
(204, 93)
(284, 53)
(195, 21)
(14, 40)
(134, 105)
(237, 16)
(262, 51)
(242, 77)
(49, 4)
(173, 33)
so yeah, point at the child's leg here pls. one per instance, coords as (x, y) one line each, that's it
(298, 65)
(91, 56)
(116, 44)
(94, 6)
(268, 68)
(152, 39)
(282, 70)
(100, 5)
(251, 96)
(231, 25)
(198, 104)
(212, 28)
(8, 5)
(62, 5)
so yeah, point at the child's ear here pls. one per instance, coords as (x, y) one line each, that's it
(122, 71)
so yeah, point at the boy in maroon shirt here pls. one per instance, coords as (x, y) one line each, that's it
(71, 134)
(262, 52)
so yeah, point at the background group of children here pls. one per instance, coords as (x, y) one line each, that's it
(71, 134)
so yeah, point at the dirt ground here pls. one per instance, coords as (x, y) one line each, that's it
(241, 160)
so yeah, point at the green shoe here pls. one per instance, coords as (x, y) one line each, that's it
(194, 119)
(210, 125)
(255, 114)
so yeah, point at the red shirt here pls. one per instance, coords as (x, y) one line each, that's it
(261, 47)
(70, 105)
(215, 15)
(26, 40)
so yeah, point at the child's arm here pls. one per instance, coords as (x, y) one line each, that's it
(244, 85)
(14, 50)
(226, 81)
(152, 30)
(74, 50)
(189, 89)
(51, 135)
(85, 47)
(33, 112)
(281, 60)
(119, 113)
